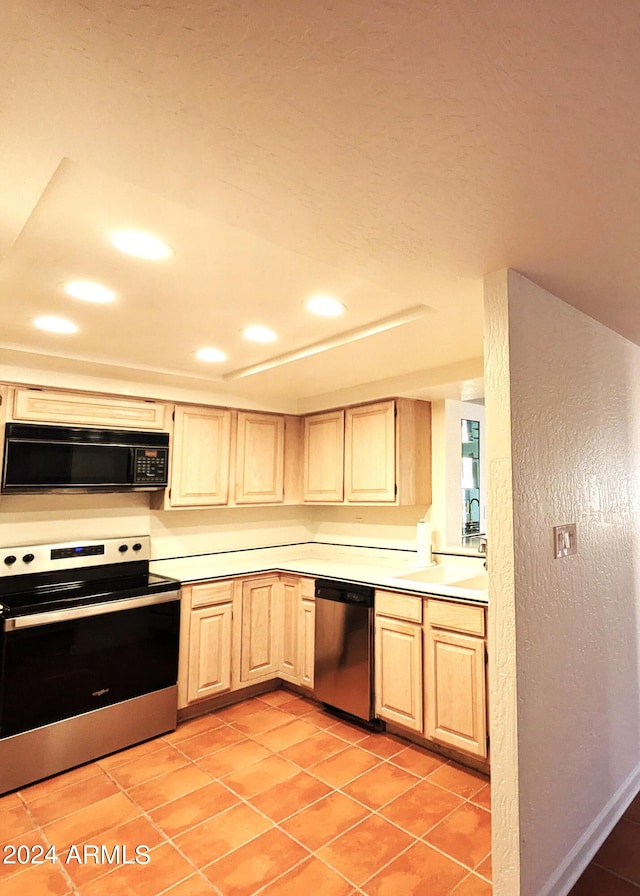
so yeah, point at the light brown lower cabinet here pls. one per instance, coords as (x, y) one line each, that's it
(236, 632)
(431, 678)
(210, 666)
(260, 632)
(289, 615)
(206, 633)
(307, 641)
(398, 672)
(456, 706)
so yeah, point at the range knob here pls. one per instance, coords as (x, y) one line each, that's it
(10, 559)
(123, 548)
(137, 546)
(28, 558)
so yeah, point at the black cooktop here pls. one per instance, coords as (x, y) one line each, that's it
(42, 593)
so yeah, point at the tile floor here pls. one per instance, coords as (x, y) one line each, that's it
(271, 796)
(615, 869)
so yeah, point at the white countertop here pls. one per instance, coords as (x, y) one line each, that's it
(376, 567)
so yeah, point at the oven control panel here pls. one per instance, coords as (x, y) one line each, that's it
(48, 557)
(150, 465)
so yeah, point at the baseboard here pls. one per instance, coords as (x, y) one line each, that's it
(573, 865)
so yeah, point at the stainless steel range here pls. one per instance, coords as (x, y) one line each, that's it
(89, 654)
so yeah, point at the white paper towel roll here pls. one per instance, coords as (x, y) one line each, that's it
(423, 536)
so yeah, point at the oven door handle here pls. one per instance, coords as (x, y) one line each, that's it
(114, 606)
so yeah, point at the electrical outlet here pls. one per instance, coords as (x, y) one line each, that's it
(565, 540)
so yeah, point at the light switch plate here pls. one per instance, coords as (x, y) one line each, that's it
(565, 540)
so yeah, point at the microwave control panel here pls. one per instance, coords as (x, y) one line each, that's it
(150, 466)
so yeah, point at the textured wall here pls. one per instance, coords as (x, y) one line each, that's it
(502, 611)
(574, 400)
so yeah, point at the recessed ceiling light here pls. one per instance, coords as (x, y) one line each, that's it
(325, 306)
(55, 325)
(89, 292)
(258, 333)
(210, 354)
(140, 244)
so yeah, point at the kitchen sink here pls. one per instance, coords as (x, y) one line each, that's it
(441, 575)
(473, 583)
(432, 574)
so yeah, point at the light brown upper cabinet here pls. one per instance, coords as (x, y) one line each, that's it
(200, 457)
(388, 452)
(259, 459)
(324, 457)
(84, 409)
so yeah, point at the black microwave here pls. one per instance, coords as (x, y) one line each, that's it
(69, 458)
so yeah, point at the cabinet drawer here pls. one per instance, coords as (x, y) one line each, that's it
(400, 606)
(456, 617)
(210, 593)
(308, 589)
(40, 405)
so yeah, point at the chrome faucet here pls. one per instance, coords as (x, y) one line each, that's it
(482, 549)
(477, 500)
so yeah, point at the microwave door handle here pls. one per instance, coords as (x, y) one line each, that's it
(114, 606)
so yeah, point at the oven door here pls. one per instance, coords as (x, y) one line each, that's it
(59, 664)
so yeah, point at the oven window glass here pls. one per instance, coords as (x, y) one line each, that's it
(51, 464)
(53, 672)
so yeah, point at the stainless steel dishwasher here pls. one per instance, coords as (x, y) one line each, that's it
(343, 664)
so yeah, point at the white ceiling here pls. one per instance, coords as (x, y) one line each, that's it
(391, 153)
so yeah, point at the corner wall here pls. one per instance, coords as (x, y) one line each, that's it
(568, 630)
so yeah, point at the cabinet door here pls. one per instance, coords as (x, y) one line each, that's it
(398, 672)
(260, 629)
(200, 457)
(259, 459)
(324, 457)
(209, 652)
(370, 458)
(290, 626)
(81, 409)
(307, 641)
(455, 696)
